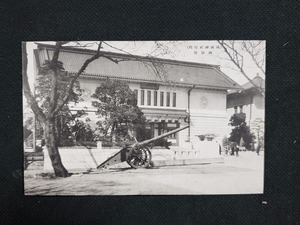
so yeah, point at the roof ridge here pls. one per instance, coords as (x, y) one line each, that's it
(101, 76)
(170, 61)
(182, 73)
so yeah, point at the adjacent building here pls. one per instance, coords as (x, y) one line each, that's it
(171, 93)
(250, 101)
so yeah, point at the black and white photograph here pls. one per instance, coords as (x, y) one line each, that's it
(143, 117)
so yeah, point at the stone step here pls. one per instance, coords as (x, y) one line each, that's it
(181, 162)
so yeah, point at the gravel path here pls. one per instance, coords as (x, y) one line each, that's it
(237, 175)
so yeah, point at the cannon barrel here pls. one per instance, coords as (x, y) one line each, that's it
(143, 154)
(146, 142)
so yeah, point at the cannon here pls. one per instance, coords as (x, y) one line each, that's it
(137, 155)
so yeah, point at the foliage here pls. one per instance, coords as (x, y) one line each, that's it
(44, 85)
(237, 119)
(64, 117)
(241, 130)
(117, 104)
(60, 90)
(47, 110)
(82, 131)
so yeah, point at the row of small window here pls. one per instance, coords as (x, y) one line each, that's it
(155, 98)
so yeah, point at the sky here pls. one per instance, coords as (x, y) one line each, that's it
(208, 52)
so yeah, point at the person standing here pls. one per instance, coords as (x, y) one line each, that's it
(258, 148)
(237, 150)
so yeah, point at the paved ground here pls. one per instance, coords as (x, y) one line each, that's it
(237, 175)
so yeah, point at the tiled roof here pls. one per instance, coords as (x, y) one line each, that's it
(177, 72)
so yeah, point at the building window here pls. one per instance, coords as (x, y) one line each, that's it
(155, 98)
(148, 97)
(174, 99)
(161, 99)
(168, 99)
(142, 97)
(136, 95)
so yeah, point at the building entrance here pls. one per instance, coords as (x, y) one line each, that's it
(154, 129)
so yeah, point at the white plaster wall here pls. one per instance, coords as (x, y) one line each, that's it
(216, 100)
(183, 136)
(209, 123)
(209, 119)
(90, 86)
(246, 110)
(258, 108)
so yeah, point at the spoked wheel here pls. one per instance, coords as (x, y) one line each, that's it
(139, 157)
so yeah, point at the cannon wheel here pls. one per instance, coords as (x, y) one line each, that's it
(139, 157)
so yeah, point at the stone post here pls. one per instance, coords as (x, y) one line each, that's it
(99, 145)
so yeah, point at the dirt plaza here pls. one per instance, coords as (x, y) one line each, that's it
(237, 175)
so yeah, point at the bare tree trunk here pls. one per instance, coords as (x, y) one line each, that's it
(52, 147)
(57, 130)
(48, 122)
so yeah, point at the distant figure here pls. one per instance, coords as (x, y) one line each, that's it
(233, 147)
(237, 150)
(258, 148)
(226, 150)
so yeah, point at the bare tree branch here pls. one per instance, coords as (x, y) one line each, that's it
(26, 88)
(254, 56)
(232, 48)
(114, 60)
(154, 65)
(54, 68)
(233, 58)
(157, 69)
(119, 49)
(230, 67)
(74, 78)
